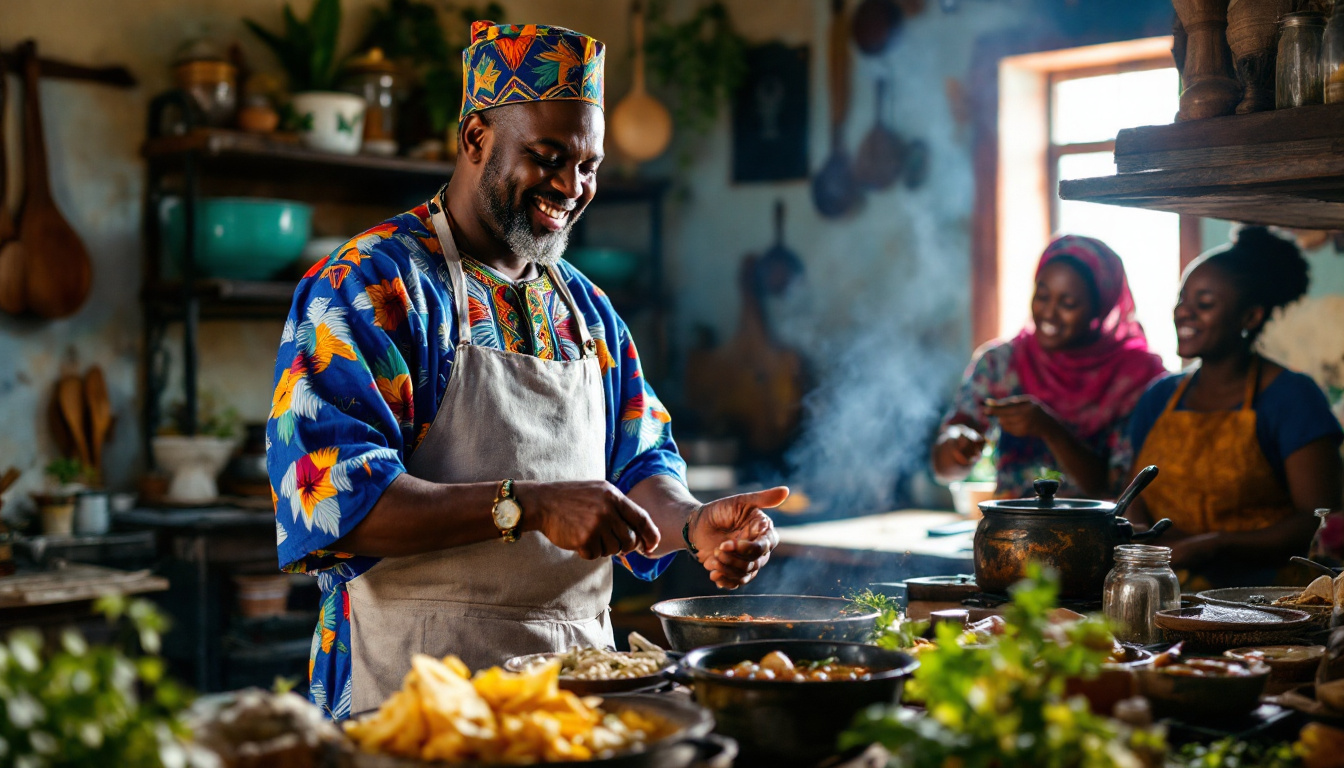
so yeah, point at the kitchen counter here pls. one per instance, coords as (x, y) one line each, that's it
(880, 538)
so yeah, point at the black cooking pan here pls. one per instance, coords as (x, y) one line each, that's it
(791, 723)
(692, 622)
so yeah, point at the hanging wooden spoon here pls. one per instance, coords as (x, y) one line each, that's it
(640, 125)
(70, 396)
(100, 416)
(57, 270)
(11, 250)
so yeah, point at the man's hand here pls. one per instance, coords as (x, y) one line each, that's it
(590, 518)
(735, 537)
(961, 445)
(1023, 416)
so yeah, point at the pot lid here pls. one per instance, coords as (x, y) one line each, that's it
(1045, 502)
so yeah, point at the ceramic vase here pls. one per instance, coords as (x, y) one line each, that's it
(1210, 90)
(194, 464)
(330, 121)
(1252, 36)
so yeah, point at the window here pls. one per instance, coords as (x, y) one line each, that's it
(1059, 114)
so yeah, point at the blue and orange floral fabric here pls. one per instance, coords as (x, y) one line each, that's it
(513, 63)
(364, 359)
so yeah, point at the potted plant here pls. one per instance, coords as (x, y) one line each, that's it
(57, 506)
(193, 462)
(326, 119)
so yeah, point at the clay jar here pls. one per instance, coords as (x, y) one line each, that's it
(1210, 90)
(1252, 35)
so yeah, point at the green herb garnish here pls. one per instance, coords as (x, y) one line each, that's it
(893, 630)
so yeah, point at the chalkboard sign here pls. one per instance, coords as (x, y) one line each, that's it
(770, 115)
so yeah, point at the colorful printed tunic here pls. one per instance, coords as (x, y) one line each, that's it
(364, 360)
(1019, 461)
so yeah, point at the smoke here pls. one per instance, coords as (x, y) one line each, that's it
(883, 368)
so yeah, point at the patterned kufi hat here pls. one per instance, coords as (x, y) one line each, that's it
(514, 63)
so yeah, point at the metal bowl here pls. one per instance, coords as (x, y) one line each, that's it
(594, 687)
(692, 622)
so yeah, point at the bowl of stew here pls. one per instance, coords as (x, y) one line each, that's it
(787, 701)
(1203, 688)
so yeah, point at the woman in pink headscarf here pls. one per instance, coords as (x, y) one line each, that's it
(1061, 391)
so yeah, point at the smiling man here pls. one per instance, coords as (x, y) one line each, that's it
(461, 439)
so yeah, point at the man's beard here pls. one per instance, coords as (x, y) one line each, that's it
(513, 224)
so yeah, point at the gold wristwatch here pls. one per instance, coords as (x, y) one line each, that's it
(507, 513)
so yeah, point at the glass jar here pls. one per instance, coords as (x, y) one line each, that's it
(1141, 584)
(1298, 74)
(374, 78)
(1332, 57)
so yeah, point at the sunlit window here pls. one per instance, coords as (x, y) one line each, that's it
(1086, 113)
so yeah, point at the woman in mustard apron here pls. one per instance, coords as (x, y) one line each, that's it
(1247, 449)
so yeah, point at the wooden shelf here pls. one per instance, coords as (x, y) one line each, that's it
(225, 299)
(1284, 167)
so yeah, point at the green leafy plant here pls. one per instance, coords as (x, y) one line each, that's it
(306, 49)
(92, 705)
(1231, 753)
(893, 630)
(65, 471)
(1004, 706)
(700, 61)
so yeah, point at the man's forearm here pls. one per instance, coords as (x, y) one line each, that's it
(415, 516)
(669, 503)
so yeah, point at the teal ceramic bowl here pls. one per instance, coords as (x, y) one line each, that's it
(605, 266)
(240, 238)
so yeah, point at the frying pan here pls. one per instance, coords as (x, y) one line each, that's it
(881, 157)
(691, 622)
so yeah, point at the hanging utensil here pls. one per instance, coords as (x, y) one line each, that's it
(100, 416)
(876, 23)
(881, 157)
(70, 397)
(11, 250)
(778, 266)
(833, 189)
(57, 273)
(640, 125)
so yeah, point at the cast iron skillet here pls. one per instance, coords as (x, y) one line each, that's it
(791, 723)
(692, 744)
(692, 622)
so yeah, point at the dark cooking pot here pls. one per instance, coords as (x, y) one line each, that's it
(692, 622)
(777, 722)
(1075, 537)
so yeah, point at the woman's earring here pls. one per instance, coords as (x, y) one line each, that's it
(1245, 333)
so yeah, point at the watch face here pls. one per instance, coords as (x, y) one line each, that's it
(507, 513)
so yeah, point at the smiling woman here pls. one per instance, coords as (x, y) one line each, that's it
(1247, 448)
(1061, 390)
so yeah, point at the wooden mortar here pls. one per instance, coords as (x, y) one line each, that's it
(1210, 90)
(1253, 35)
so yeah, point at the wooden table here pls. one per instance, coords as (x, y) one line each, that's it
(54, 599)
(880, 539)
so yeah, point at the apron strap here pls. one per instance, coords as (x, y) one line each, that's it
(1179, 393)
(587, 348)
(454, 261)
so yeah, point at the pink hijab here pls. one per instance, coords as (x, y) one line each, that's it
(1090, 387)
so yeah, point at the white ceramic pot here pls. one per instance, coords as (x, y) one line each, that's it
(330, 121)
(966, 497)
(193, 464)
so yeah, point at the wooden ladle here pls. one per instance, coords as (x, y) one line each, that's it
(57, 272)
(70, 398)
(100, 416)
(11, 250)
(640, 125)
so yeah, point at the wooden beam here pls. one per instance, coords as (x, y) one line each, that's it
(117, 76)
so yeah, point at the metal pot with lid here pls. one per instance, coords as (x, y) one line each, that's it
(1076, 537)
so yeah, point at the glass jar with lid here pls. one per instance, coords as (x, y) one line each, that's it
(374, 78)
(1332, 57)
(1298, 70)
(1141, 584)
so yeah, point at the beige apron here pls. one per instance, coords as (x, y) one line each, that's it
(503, 415)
